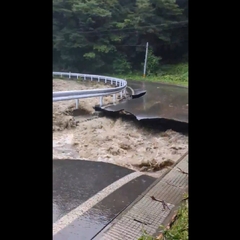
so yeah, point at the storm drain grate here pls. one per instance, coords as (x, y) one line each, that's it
(135, 222)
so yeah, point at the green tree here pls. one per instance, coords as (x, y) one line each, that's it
(110, 36)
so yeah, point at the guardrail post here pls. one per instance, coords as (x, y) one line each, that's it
(91, 78)
(84, 77)
(98, 79)
(114, 98)
(77, 103)
(77, 76)
(116, 82)
(125, 92)
(105, 80)
(111, 81)
(121, 94)
(69, 74)
(101, 101)
(61, 75)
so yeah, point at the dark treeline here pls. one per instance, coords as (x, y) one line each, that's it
(109, 36)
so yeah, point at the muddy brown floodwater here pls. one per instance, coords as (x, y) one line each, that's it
(119, 141)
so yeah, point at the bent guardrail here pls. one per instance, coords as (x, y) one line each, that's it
(120, 87)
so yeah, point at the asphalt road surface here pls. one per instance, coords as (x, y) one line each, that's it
(160, 101)
(88, 195)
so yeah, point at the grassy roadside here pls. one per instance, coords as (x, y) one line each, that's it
(178, 230)
(170, 74)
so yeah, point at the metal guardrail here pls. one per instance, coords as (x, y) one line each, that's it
(120, 87)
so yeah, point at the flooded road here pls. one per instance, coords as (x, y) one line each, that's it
(100, 148)
(160, 101)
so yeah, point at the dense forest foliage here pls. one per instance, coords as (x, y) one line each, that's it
(110, 36)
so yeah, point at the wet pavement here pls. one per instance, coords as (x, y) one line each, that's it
(146, 214)
(160, 101)
(76, 181)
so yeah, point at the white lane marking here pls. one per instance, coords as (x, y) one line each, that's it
(81, 209)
